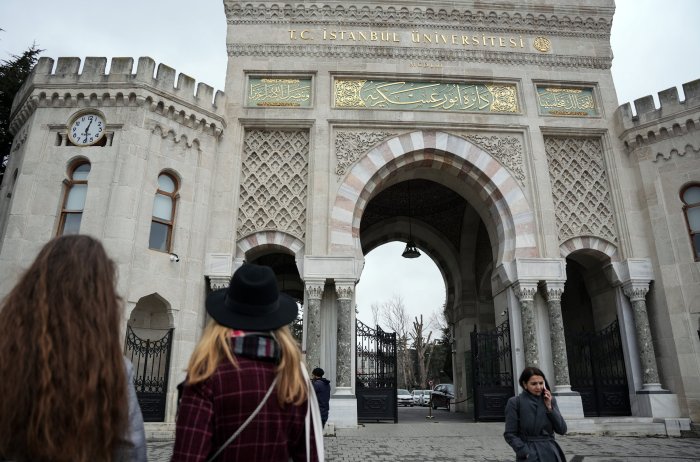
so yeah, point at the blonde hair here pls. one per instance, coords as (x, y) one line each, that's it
(214, 347)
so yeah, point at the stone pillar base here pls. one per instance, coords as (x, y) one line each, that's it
(570, 404)
(658, 404)
(343, 408)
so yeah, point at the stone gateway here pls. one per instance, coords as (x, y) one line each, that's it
(488, 133)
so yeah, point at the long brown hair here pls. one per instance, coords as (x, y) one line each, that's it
(63, 394)
(214, 347)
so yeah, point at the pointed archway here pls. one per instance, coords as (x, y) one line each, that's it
(491, 189)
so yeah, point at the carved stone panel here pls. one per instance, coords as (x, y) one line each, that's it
(580, 187)
(274, 182)
(351, 145)
(508, 150)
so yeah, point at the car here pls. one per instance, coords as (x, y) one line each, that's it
(403, 397)
(419, 398)
(442, 395)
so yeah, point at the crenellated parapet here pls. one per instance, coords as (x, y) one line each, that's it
(673, 128)
(163, 91)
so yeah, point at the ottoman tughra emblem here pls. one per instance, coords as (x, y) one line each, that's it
(542, 44)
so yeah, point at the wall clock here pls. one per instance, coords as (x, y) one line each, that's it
(86, 129)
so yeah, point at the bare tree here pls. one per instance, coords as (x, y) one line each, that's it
(375, 313)
(423, 347)
(395, 317)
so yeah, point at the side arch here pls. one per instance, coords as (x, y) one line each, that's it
(502, 203)
(589, 243)
(270, 240)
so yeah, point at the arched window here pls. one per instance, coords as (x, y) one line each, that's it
(163, 213)
(691, 207)
(74, 200)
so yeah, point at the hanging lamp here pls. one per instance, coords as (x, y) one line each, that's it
(411, 251)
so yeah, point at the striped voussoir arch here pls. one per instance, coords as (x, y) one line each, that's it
(589, 243)
(501, 194)
(268, 239)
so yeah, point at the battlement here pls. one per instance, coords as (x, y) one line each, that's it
(670, 106)
(66, 72)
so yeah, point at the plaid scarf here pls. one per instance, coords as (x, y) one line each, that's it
(255, 345)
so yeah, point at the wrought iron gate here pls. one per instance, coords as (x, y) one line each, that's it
(375, 381)
(151, 360)
(492, 372)
(597, 371)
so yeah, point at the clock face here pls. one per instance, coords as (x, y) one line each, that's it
(86, 129)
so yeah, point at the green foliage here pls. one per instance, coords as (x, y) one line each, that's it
(13, 73)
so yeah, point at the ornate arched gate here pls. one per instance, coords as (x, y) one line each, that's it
(597, 371)
(151, 360)
(492, 372)
(375, 381)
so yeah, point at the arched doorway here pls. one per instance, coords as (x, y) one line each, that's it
(487, 225)
(593, 343)
(148, 345)
(289, 282)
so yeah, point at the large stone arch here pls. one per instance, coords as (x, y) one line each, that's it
(503, 206)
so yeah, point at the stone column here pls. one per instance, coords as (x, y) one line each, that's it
(637, 292)
(525, 291)
(553, 292)
(345, 348)
(314, 293)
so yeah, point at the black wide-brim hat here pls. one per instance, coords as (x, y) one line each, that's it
(252, 301)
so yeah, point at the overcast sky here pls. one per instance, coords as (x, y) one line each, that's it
(654, 42)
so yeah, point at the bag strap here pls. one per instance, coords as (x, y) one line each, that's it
(247, 421)
(313, 414)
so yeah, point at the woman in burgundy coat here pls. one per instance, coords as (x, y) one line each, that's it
(246, 353)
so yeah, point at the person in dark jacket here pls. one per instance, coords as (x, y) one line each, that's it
(323, 392)
(532, 418)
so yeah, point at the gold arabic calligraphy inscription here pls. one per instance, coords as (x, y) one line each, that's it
(467, 97)
(566, 101)
(279, 92)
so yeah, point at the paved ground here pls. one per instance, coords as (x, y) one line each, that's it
(448, 438)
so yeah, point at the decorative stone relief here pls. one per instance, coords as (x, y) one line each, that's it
(417, 54)
(274, 182)
(216, 283)
(344, 292)
(687, 150)
(580, 188)
(20, 140)
(350, 145)
(315, 290)
(525, 292)
(493, 21)
(636, 293)
(507, 150)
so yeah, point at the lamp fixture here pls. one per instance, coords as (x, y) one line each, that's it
(174, 258)
(410, 251)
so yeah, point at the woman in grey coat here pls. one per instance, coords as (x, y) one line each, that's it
(532, 418)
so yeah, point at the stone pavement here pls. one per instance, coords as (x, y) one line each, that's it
(448, 438)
